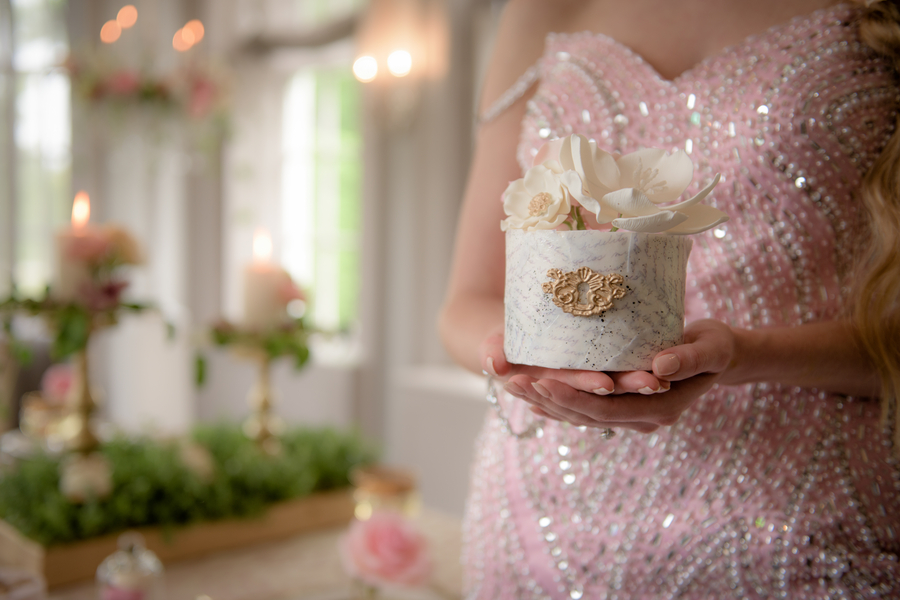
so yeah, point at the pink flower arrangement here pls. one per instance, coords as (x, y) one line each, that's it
(122, 83)
(386, 549)
(288, 291)
(119, 593)
(56, 382)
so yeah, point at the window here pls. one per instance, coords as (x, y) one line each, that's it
(320, 191)
(37, 154)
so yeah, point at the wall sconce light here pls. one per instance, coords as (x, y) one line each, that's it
(400, 38)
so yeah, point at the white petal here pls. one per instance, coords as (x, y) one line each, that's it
(545, 224)
(700, 196)
(605, 177)
(553, 165)
(676, 170)
(662, 177)
(699, 218)
(516, 198)
(541, 179)
(661, 221)
(630, 202)
(548, 152)
(631, 165)
(576, 155)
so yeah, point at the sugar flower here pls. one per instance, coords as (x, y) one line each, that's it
(636, 192)
(540, 200)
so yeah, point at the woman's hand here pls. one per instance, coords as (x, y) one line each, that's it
(637, 400)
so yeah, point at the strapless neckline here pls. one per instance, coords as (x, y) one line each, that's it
(637, 59)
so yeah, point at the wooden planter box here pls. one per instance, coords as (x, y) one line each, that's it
(69, 563)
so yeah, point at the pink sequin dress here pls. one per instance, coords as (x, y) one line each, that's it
(761, 490)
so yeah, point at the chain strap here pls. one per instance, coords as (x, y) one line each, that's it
(536, 427)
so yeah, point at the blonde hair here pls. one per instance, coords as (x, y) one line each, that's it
(876, 312)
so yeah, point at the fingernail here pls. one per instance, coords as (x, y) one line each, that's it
(514, 389)
(647, 390)
(603, 392)
(541, 389)
(664, 386)
(668, 364)
(490, 366)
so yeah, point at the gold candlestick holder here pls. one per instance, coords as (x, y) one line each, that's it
(262, 426)
(76, 429)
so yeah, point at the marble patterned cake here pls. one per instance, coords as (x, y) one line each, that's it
(636, 315)
(602, 291)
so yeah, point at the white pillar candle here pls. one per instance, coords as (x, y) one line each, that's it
(268, 288)
(648, 319)
(74, 246)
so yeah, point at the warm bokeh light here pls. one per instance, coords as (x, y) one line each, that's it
(81, 210)
(365, 68)
(188, 36)
(127, 16)
(180, 43)
(399, 63)
(262, 245)
(196, 28)
(110, 32)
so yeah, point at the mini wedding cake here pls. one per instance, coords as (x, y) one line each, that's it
(607, 298)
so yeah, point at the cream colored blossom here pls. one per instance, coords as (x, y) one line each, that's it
(651, 177)
(85, 477)
(540, 200)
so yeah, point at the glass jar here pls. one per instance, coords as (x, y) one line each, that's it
(131, 573)
(384, 488)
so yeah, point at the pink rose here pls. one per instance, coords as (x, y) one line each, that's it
(117, 593)
(386, 549)
(123, 83)
(203, 96)
(288, 290)
(56, 382)
(91, 247)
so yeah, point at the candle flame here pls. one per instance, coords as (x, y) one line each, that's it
(262, 245)
(81, 210)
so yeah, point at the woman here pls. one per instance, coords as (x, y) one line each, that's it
(748, 463)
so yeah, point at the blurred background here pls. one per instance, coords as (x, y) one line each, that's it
(342, 128)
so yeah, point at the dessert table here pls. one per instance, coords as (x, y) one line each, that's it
(306, 567)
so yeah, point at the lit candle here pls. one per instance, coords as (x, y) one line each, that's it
(74, 245)
(268, 288)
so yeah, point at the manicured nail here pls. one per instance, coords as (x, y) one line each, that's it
(541, 389)
(490, 366)
(668, 364)
(603, 392)
(647, 390)
(514, 389)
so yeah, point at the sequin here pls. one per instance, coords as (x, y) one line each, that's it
(759, 491)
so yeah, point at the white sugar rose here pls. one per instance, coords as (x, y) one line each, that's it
(540, 200)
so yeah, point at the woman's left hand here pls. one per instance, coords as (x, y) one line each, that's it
(692, 368)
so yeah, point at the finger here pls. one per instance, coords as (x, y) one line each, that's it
(542, 413)
(594, 382)
(659, 409)
(522, 388)
(638, 382)
(538, 394)
(709, 351)
(493, 359)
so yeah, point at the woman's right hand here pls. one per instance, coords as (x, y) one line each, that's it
(522, 381)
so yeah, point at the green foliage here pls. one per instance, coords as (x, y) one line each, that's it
(287, 340)
(153, 487)
(72, 323)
